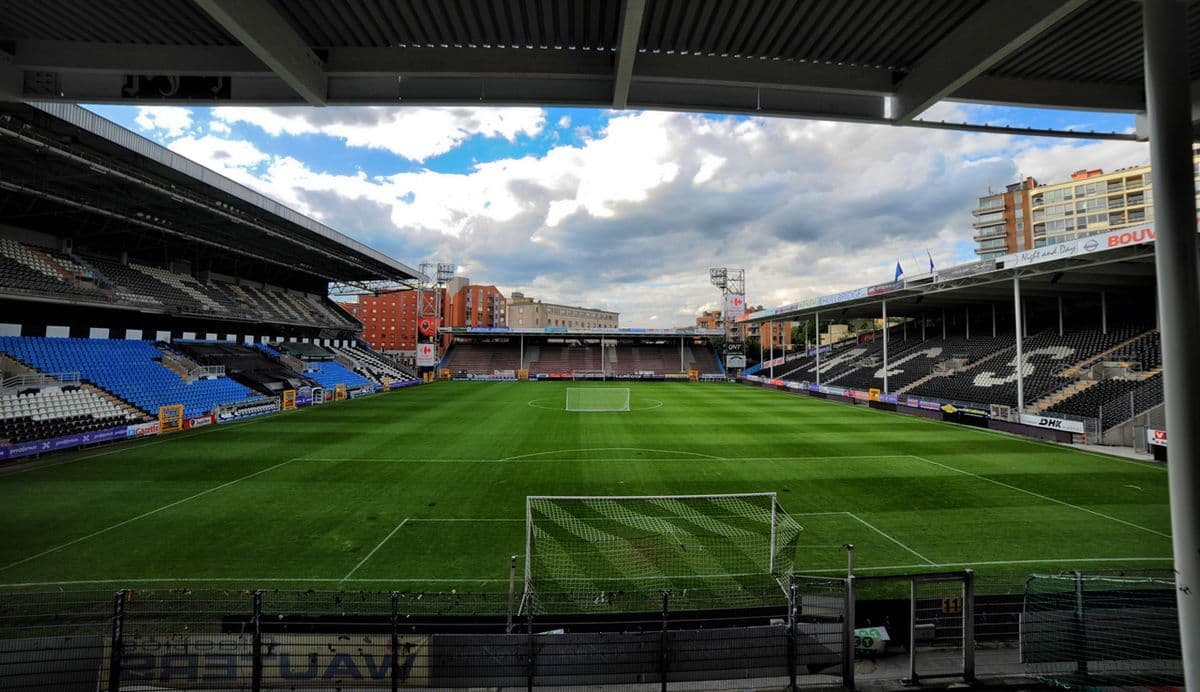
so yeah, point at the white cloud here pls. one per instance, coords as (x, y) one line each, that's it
(169, 121)
(413, 133)
(631, 217)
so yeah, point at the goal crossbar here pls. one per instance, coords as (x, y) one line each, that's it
(597, 399)
(582, 541)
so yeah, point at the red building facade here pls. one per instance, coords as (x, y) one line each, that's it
(390, 320)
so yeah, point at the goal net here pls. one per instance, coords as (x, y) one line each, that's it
(679, 541)
(597, 398)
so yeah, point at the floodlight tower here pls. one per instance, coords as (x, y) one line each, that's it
(732, 283)
(434, 277)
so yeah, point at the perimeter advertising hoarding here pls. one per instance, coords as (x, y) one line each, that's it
(294, 661)
(54, 444)
(1157, 438)
(1072, 426)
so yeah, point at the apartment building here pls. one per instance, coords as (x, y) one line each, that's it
(524, 311)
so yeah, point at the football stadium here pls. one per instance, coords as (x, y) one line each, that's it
(212, 479)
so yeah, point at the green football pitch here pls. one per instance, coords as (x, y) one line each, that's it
(425, 488)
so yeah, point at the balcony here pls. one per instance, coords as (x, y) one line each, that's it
(991, 233)
(1116, 187)
(983, 223)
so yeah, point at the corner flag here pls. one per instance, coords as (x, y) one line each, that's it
(899, 271)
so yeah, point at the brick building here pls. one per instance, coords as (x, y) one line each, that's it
(390, 319)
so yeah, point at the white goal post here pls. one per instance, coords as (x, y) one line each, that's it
(600, 543)
(591, 399)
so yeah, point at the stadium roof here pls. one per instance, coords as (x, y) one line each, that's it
(863, 60)
(1114, 261)
(67, 171)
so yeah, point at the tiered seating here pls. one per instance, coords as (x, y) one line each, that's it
(1127, 403)
(1087, 403)
(129, 369)
(184, 284)
(483, 359)
(21, 268)
(331, 373)
(1046, 356)
(701, 358)
(567, 359)
(1145, 350)
(645, 358)
(374, 365)
(909, 361)
(252, 366)
(303, 350)
(131, 285)
(32, 269)
(55, 411)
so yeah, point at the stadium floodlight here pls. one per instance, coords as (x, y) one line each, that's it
(598, 543)
(445, 272)
(597, 399)
(718, 276)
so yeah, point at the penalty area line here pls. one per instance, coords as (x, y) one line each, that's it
(375, 549)
(143, 515)
(879, 531)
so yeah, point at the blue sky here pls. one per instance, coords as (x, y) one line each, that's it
(626, 210)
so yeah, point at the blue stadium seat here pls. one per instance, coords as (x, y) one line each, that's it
(129, 369)
(330, 373)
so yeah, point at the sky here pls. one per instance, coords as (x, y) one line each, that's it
(627, 210)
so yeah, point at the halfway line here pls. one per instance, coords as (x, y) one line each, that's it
(377, 547)
(144, 515)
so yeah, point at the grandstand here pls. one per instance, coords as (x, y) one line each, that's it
(557, 353)
(1086, 345)
(172, 304)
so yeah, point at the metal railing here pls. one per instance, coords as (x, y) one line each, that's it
(797, 632)
(27, 380)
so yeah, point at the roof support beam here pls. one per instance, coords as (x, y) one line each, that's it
(260, 27)
(981, 41)
(632, 12)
